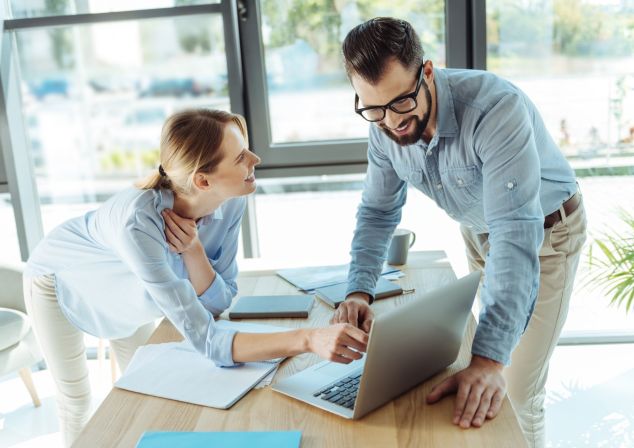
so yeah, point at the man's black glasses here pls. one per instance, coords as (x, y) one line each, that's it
(401, 105)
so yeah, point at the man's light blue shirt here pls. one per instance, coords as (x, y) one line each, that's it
(114, 271)
(493, 167)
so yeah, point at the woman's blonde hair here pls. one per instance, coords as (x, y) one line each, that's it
(190, 143)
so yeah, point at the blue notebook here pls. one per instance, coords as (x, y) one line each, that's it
(268, 439)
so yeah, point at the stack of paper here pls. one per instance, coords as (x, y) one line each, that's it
(177, 371)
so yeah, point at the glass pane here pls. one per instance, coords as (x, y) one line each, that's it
(335, 198)
(20, 9)
(589, 396)
(574, 58)
(10, 252)
(310, 97)
(95, 98)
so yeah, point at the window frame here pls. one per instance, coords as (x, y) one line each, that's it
(15, 163)
(339, 156)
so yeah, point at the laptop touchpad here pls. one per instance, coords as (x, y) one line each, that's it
(336, 370)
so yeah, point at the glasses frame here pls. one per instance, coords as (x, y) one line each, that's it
(390, 105)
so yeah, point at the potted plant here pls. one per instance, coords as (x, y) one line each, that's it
(612, 268)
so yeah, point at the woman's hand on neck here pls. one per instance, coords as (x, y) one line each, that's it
(195, 206)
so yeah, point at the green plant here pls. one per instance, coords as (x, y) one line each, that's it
(613, 267)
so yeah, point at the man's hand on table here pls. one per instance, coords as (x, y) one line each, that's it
(480, 390)
(356, 311)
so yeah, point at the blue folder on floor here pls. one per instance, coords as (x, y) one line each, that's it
(263, 439)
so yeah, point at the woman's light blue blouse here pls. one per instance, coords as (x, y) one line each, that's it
(114, 271)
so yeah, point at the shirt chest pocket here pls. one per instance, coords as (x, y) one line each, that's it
(414, 176)
(463, 184)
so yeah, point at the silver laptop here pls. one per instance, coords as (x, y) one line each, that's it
(407, 345)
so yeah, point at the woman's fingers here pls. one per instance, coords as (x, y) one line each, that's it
(172, 239)
(357, 334)
(349, 343)
(176, 230)
(342, 350)
(182, 231)
(340, 359)
(354, 343)
(188, 226)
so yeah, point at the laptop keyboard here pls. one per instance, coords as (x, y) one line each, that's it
(343, 392)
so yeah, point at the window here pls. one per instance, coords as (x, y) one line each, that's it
(311, 220)
(309, 94)
(301, 112)
(10, 252)
(95, 98)
(574, 59)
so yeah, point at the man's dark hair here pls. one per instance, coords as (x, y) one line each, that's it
(368, 47)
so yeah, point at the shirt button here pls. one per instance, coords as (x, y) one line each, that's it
(438, 186)
(510, 185)
(187, 326)
(460, 182)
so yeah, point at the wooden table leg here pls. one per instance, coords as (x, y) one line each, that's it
(27, 379)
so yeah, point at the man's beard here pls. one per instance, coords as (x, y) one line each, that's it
(419, 124)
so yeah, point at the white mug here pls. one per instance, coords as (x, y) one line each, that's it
(402, 240)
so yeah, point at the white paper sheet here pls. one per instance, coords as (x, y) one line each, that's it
(176, 371)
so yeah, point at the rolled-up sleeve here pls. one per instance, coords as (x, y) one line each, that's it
(144, 250)
(217, 297)
(224, 288)
(379, 213)
(511, 172)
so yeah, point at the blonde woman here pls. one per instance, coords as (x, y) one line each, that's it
(165, 248)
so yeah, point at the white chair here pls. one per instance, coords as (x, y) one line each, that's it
(18, 348)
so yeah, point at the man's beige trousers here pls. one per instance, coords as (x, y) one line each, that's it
(526, 376)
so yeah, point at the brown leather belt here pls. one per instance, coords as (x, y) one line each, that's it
(569, 207)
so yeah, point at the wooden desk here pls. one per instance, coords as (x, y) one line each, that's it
(407, 421)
